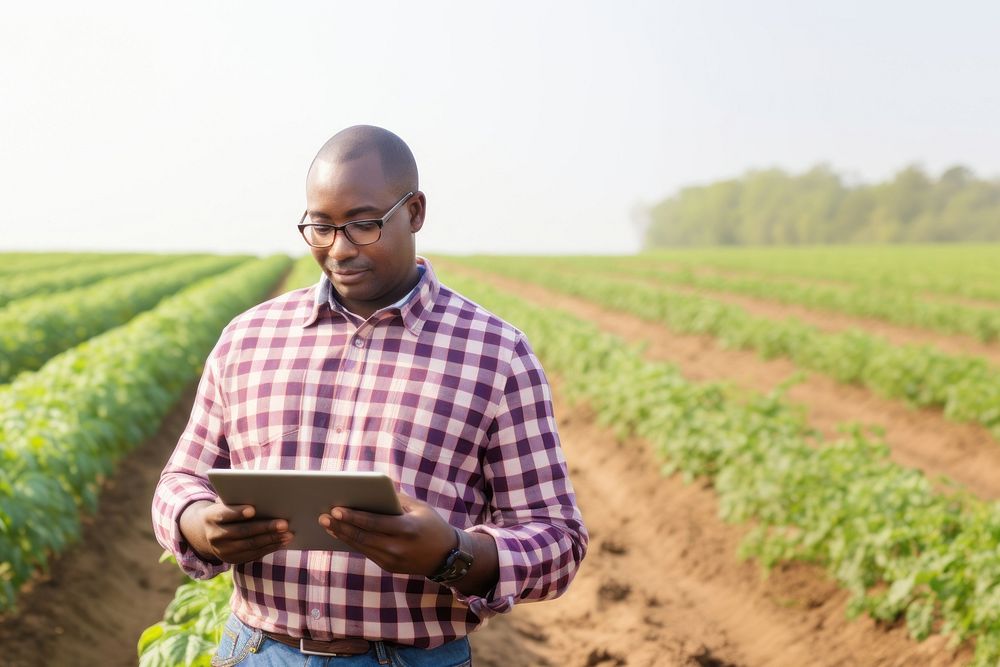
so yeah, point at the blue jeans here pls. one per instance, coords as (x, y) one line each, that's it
(242, 645)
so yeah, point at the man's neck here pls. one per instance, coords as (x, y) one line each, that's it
(364, 310)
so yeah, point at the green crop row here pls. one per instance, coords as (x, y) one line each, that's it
(63, 427)
(900, 548)
(33, 330)
(305, 272)
(967, 388)
(192, 624)
(12, 263)
(70, 276)
(898, 306)
(191, 628)
(963, 270)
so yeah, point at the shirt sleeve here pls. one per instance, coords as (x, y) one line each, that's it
(535, 522)
(184, 480)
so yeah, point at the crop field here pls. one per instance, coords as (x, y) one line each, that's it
(784, 457)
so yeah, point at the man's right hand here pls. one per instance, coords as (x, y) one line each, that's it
(229, 533)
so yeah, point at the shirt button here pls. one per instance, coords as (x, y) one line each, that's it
(314, 613)
(340, 429)
(358, 342)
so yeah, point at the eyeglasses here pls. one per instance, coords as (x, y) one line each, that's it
(358, 232)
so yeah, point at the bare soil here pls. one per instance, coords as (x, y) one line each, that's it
(941, 297)
(832, 322)
(101, 594)
(919, 438)
(661, 584)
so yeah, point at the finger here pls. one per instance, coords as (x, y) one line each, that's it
(247, 529)
(367, 521)
(257, 553)
(329, 526)
(241, 548)
(223, 533)
(329, 531)
(373, 545)
(266, 540)
(409, 503)
(221, 513)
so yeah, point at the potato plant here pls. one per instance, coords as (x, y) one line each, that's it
(967, 388)
(34, 329)
(902, 549)
(63, 427)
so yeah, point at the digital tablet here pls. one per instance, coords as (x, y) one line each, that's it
(300, 496)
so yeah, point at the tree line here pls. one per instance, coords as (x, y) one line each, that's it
(773, 207)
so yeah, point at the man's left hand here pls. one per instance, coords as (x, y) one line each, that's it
(415, 542)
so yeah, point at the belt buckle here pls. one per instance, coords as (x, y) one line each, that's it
(305, 651)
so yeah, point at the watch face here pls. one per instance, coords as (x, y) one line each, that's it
(454, 568)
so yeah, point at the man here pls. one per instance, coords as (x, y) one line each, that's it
(378, 367)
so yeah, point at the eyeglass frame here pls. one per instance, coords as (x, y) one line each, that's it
(337, 228)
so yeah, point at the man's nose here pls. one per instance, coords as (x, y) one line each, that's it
(342, 247)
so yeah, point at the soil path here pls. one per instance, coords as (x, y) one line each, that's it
(845, 284)
(662, 585)
(832, 322)
(101, 594)
(922, 439)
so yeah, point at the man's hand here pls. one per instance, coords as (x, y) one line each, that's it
(229, 533)
(415, 542)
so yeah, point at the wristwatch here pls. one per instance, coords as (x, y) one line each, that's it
(456, 564)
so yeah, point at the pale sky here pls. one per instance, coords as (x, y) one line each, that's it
(537, 127)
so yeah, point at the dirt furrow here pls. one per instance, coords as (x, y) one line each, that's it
(102, 593)
(832, 322)
(662, 584)
(99, 595)
(919, 438)
(843, 284)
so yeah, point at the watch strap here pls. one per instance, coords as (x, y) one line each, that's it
(457, 563)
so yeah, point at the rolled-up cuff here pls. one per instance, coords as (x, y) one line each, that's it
(510, 557)
(190, 562)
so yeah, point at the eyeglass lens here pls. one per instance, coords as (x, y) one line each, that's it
(359, 233)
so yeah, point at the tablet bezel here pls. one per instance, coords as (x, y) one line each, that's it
(300, 496)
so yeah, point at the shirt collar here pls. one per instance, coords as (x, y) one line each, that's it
(412, 308)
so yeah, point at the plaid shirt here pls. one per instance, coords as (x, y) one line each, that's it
(439, 394)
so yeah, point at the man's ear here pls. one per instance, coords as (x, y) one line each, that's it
(417, 206)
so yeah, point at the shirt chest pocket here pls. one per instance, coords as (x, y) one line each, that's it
(267, 412)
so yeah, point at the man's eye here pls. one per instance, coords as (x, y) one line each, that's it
(322, 230)
(364, 226)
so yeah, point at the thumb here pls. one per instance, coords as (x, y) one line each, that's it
(232, 513)
(409, 503)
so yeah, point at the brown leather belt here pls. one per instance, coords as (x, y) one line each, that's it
(334, 647)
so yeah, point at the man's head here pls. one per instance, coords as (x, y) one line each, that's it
(359, 174)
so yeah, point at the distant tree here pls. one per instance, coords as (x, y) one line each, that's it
(772, 207)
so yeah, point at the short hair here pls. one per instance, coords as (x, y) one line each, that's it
(398, 165)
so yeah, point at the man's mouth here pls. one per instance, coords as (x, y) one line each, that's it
(348, 275)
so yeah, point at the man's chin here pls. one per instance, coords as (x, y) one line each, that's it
(350, 292)
(354, 292)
